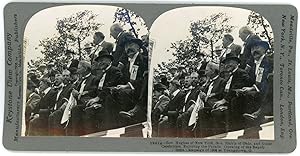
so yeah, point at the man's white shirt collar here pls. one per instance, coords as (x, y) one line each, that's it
(175, 92)
(46, 90)
(230, 45)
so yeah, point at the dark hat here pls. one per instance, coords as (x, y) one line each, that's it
(42, 66)
(173, 67)
(159, 87)
(69, 51)
(73, 66)
(100, 34)
(231, 56)
(261, 43)
(73, 70)
(131, 39)
(104, 53)
(200, 54)
(50, 64)
(181, 66)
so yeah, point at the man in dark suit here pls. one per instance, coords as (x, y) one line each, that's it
(249, 38)
(211, 92)
(167, 125)
(109, 77)
(54, 123)
(231, 106)
(255, 111)
(228, 47)
(121, 37)
(183, 129)
(86, 90)
(38, 124)
(136, 75)
(98, 45)
(159, 105)
(32, 100)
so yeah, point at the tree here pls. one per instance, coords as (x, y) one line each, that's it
(72, 32)
(76, 28)
(204, 34)
(261, 27)
(130, 18)
(209, 31)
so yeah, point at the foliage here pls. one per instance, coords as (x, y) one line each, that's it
(204, 34)
(72, 31)
(261, 26)
(131, 19)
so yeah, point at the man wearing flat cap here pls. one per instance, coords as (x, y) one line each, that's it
(233, 101)
(159, 105)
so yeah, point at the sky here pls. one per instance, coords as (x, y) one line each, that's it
(43, 23)
(174, 25)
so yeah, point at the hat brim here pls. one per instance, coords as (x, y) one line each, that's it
(135, 40)
(102, 56)
(232, 58)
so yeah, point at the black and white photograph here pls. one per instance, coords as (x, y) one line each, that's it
(86, 72)
(212, 70)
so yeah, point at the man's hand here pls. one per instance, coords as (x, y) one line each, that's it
(122, 87)
(239, 92)
(120, 66)
(212, 94)
(247, 89)
(84, 92)
(35, 116)
(92, 101)
(219, 103)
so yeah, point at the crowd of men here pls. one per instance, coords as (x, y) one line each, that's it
(230, 92)
(105, 90)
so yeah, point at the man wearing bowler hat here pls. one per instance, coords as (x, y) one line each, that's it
(231, 106)
(109, 77)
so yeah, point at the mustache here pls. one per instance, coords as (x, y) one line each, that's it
(131, 50)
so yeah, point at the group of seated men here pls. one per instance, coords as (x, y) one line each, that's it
(232, 93)
(106, 90)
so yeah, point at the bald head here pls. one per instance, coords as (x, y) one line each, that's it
(115, 29)
(244, 32)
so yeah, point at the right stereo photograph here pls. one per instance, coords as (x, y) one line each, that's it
(212, 70)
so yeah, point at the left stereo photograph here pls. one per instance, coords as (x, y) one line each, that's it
(85, 72)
